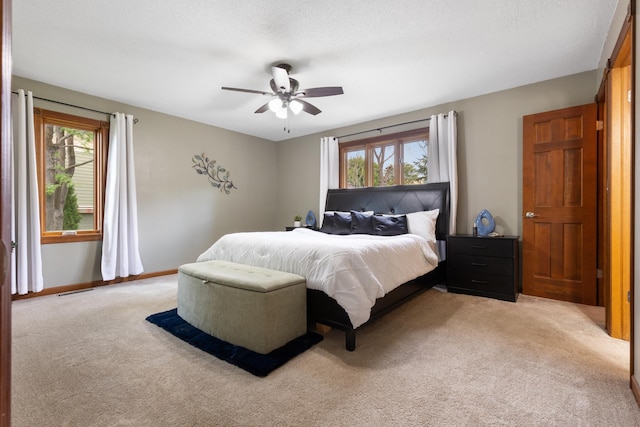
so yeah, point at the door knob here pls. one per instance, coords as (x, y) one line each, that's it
(530, 215)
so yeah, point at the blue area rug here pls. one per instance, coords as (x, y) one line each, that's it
(257, 364)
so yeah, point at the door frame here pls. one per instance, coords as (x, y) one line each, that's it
(624, 50)
(5, 215)
(617, 176)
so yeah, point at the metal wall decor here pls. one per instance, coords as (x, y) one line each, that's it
(217, 175)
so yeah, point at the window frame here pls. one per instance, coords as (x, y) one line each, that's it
(101, 146)
(397, 140)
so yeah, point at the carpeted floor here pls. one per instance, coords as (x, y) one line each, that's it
(91, 359)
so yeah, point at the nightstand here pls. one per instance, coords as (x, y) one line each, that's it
(484, 266)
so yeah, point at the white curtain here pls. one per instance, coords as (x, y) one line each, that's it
(442, 163)
(120, 254)
(26, 260)
(329, 170)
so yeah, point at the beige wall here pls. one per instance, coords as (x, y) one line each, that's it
(179, 213)
(489, 151)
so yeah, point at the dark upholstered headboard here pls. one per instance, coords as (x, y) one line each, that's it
(397, 199)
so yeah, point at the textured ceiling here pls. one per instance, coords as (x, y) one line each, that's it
(390, 57)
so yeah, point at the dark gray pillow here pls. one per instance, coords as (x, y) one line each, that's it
(336, 223)
(384, 225)
(361, 223)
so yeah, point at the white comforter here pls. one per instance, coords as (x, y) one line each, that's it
(354, 270)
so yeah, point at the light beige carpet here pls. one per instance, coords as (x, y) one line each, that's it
(91, 359)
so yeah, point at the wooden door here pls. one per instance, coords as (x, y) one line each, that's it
(5, 203)
(559, 194)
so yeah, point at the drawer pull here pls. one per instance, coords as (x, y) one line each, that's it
(480, 282)
(478, 264)
(478, 247)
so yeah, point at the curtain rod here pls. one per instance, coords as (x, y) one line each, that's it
(390, 126)
(135, 120)
(384, 127)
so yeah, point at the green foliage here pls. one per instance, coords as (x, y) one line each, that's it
(410, 174)
(421, 165)
(83, 137)
(60, 179)
(383, 175)
(413, 173)
(355, 172)
(387, 178)
(416, 173)
(62, 145)
(72, 217)
(419, 173)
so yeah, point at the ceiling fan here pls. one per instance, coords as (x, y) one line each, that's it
(288, 95)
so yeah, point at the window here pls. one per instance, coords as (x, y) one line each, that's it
(395, 159)
(71, 155)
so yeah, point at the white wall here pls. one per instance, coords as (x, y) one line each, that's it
(180, 213)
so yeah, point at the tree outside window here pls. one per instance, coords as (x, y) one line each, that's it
(415, 165)
(356, 169)
(71, 154)
(376, 162)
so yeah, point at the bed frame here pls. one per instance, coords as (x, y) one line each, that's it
(399, 199)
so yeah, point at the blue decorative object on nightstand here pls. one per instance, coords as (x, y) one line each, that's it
(311, 219)
(485, 223)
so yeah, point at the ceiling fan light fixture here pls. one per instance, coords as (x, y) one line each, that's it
(282, 113)
(295, 106)
(275, 105)
(285, 91)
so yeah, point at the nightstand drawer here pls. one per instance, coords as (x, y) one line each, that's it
(485, 264)
(481, 282)
(496, 246)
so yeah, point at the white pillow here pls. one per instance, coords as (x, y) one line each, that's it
(423, 224)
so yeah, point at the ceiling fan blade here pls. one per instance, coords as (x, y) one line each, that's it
(309, 108)
(315, 92)
(281, 79)
(262, 109)
(286, 90)
(247, 90)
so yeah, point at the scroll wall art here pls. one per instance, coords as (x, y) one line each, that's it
(217, 175)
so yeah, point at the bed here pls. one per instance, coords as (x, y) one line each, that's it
(353, 279)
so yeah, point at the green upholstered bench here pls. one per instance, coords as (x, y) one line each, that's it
(256, 308)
